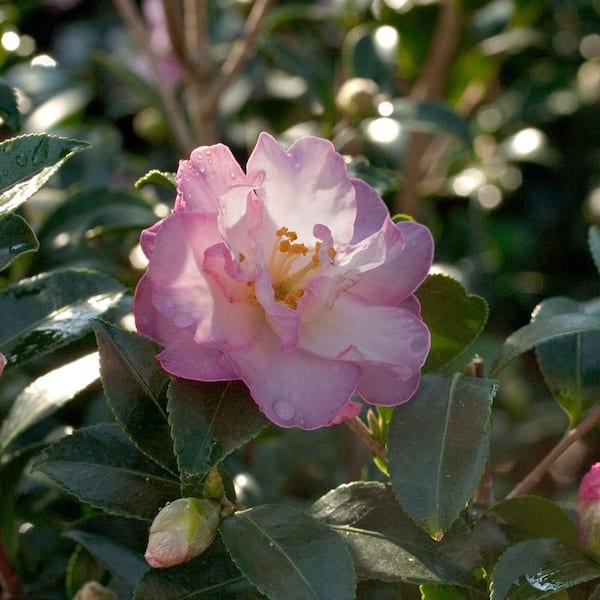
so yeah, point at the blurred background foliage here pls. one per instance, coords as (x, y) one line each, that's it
(479, 118)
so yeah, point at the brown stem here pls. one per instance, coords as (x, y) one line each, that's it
(133, 20)
(174, 21)
(10, 583)
(429, 86)
(362, 431)
(570, 437)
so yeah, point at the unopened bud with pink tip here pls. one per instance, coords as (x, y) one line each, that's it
(181, 531)
(588, 511)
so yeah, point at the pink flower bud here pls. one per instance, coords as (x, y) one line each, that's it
(3, 362)
(182, 530)
(588, 511)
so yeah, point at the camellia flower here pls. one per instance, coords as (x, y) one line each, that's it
(291, 277)
(588, 511)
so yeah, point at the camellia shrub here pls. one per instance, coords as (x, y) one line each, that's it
(245, 377)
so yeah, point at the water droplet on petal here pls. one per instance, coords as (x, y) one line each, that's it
(284, 410)
(418, 344)
(298, 166)
(207, 152)
(201, 166)
(403, 372)
(232, 174)
(183, 320)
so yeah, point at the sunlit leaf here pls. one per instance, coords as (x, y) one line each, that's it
(27, 162)
(437, 448)
(47, 394)
(156, 177)
(288, 555)
(102, 467)
(538, 568)
(16, 238)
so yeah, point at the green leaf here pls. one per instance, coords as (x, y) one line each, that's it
(542, 331)
(288, 555)
(116, 542)
(8, 106)
(82, 567)
(533, 516)
(441, 592)
(539, 568)
(437, 448)
(47, 394)
(135, 387)
(27, 162)
(16, 238)
(157, 177)
(208, 422)
(594, 243)
(454, 318)
(102, 467)
(386, 544)
(51, 310)
(211, 575)
(431, 117)
(571, 365)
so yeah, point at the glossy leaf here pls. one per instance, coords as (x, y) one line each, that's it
(594, 243)
(27, 162)
(209, 421)
(571, 365)
(386, 544)
(157, 177)
(534, 516)
(52, 310)
(8, 106)
(455, 318)
(116, 542)
(538, 568)
(135, 387)
(288, 555)
(542, 331)
(102, 467)
(437, 448)
(16, 238)
(47, 394)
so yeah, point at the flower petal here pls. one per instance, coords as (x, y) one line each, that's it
(387, 386)
(371, 211)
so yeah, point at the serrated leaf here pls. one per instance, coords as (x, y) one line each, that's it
(534, 516)
(118, 543)
(8, 106)
(209, 421)
(306, 560)
(27, 162)
(135, 387)
(51, 310)
(47, 394)
(594, 243)
(455, 318)
(541, 331)
(386, 544)
(437, 448)
(210, 575)
(571, 365)
(16, 238)
(157, 177)
(102, 467)
(539, 568)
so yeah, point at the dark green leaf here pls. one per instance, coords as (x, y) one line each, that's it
(157, 177)
(386, 544)
(52, 310)
(540, 332)
(363, 55)
(209, 421)
(538, 568)
(118, 543)
(16, 238)
(47, 394)
(594, 242)
(288, 555)
(571, 365)
(82, 567)
(454, 318)
(537, 517)
(437, 448)
(135, 387)
(211, 575)
(441, 592)
(102, 467)
(431, 117)
(27, 162)
(8, 106)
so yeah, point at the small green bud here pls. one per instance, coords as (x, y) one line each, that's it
(181, 531)
(356, 97)
(213, 485)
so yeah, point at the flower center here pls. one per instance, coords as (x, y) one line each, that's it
(291, 264)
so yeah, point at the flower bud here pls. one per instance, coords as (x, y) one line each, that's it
(588, 511)
(3, 362)
(92, 590)
(182, 530)
(213, 485)
(356, 97)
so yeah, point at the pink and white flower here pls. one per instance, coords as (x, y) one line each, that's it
(290, 276)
